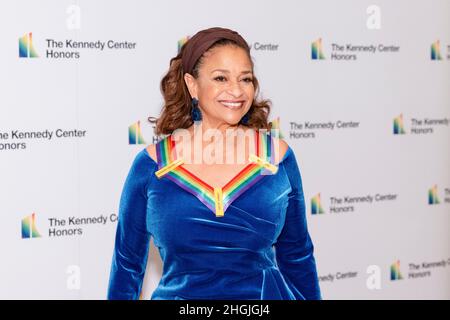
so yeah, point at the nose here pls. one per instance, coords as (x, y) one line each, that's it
(235, 89)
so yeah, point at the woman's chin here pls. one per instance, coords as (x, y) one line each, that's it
(232, 120)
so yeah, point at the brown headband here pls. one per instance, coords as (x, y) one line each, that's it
(196, 46)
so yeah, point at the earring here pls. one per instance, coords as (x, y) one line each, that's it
(196, 114)
(246, 117)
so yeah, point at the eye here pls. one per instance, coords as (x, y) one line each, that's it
(248, 80)
(220, 78)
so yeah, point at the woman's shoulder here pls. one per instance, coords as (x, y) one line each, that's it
(282, 149)
(146, 159)
(150, 150)
(141, 171)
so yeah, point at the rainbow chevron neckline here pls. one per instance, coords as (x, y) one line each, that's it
(216, 199)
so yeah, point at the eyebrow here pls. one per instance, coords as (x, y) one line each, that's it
(226, 71)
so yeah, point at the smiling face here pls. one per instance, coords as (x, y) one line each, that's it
(224, 86)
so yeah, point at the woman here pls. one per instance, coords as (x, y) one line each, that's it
(224, 231)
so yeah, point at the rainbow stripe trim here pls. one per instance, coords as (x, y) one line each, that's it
(217, 199)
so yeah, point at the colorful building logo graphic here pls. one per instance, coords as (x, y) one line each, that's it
(182, 41)
(398, 125)
(432, 195)
(276, 127)
(26, 49)
(395, 271)
(316, 205)
(135, 134)
(436, 51)
(317, 50)
(29, 229)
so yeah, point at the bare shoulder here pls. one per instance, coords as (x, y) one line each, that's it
(281, 147)
(151, 149)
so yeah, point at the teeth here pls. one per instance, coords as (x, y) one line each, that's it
(233, 104)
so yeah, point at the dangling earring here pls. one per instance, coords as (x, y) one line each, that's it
(196, 114)
(246, 117)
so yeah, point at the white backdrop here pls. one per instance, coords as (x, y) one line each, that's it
(65, 148)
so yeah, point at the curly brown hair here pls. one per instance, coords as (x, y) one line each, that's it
(176, 111)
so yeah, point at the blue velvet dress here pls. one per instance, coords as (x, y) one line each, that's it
(247, 240)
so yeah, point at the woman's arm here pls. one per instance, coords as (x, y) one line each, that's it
(294, 248)
(132, 235)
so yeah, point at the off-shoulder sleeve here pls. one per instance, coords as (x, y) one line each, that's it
(132, 235)
(294, 248)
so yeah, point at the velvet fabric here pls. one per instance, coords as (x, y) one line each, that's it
(259, 250)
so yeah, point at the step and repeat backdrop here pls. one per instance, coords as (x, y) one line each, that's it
(360, 91)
